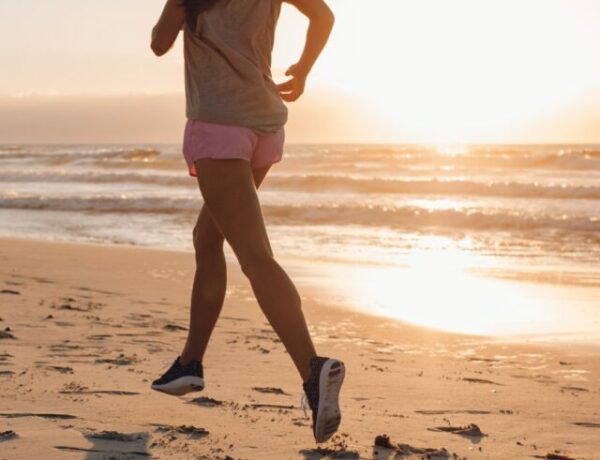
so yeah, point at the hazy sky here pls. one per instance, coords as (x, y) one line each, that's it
(395, 70)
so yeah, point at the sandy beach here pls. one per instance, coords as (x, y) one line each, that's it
(84, 328)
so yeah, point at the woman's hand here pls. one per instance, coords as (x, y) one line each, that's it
(166, 30)
(321, 21)
(293, 88)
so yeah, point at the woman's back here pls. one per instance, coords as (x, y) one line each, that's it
(227, 66)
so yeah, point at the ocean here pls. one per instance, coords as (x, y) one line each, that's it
(522, 212)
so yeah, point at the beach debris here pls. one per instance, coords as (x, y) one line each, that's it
(10, 291)
(7, 435)
(174, 327)
(271, 390)
(7, 373)
(471, 430)
(406, 450)
(205, 401)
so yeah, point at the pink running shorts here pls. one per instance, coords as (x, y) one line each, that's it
(211, 140)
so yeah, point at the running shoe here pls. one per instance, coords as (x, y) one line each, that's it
(322, 390)
(179, 379)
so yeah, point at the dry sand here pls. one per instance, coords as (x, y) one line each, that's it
(85, 328)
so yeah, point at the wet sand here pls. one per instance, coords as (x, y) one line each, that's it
(85, 328)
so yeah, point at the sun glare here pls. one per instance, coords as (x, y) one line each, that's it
(439, 287)
(461, 71)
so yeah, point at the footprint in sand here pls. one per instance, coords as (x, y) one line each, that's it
(33, 414)
(587, 424)
(8, 435)
(174, 327)
(406, 450)
(205, 401)
(453, 412)
(6, 334)
(323, 453)
(61, 369)
(115, 436)
(580, 389)
(484, 381)
(183, 429)
(270, 390)
(471, 431)
(120, 360)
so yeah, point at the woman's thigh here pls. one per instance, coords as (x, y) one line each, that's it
(205, 230)
(229, 192)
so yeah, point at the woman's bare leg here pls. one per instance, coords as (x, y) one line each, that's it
(230, 196)
(210, 280)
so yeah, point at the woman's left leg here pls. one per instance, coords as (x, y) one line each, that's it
(210, 281)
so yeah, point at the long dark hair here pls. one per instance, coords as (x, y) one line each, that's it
(193, 8)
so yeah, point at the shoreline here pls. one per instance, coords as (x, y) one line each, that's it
(93, 324)
(306, 278)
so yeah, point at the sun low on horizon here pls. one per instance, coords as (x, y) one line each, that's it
(394, 71)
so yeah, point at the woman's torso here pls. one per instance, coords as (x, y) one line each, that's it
(227, 66)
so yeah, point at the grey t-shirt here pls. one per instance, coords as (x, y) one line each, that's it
(228, 66)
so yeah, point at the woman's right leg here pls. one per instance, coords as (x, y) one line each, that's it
(230, 196)
(210, 281)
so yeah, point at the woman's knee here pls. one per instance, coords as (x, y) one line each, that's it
(254, 263)
(207, 242)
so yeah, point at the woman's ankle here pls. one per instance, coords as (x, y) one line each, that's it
(185, 358)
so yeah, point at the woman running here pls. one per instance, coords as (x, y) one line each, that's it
(234, 133)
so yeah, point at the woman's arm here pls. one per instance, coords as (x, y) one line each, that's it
(167, 28)
(321, 21)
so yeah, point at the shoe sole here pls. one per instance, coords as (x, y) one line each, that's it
(328, 416)
(181, 386)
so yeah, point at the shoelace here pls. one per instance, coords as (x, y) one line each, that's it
(304, 405)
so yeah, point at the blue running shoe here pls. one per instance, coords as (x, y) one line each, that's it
(180, 380)
(322, 391)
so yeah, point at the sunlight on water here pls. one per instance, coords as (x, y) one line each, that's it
(451, 150)
(438, 289)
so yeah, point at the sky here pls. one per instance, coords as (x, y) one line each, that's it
(435, 71)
